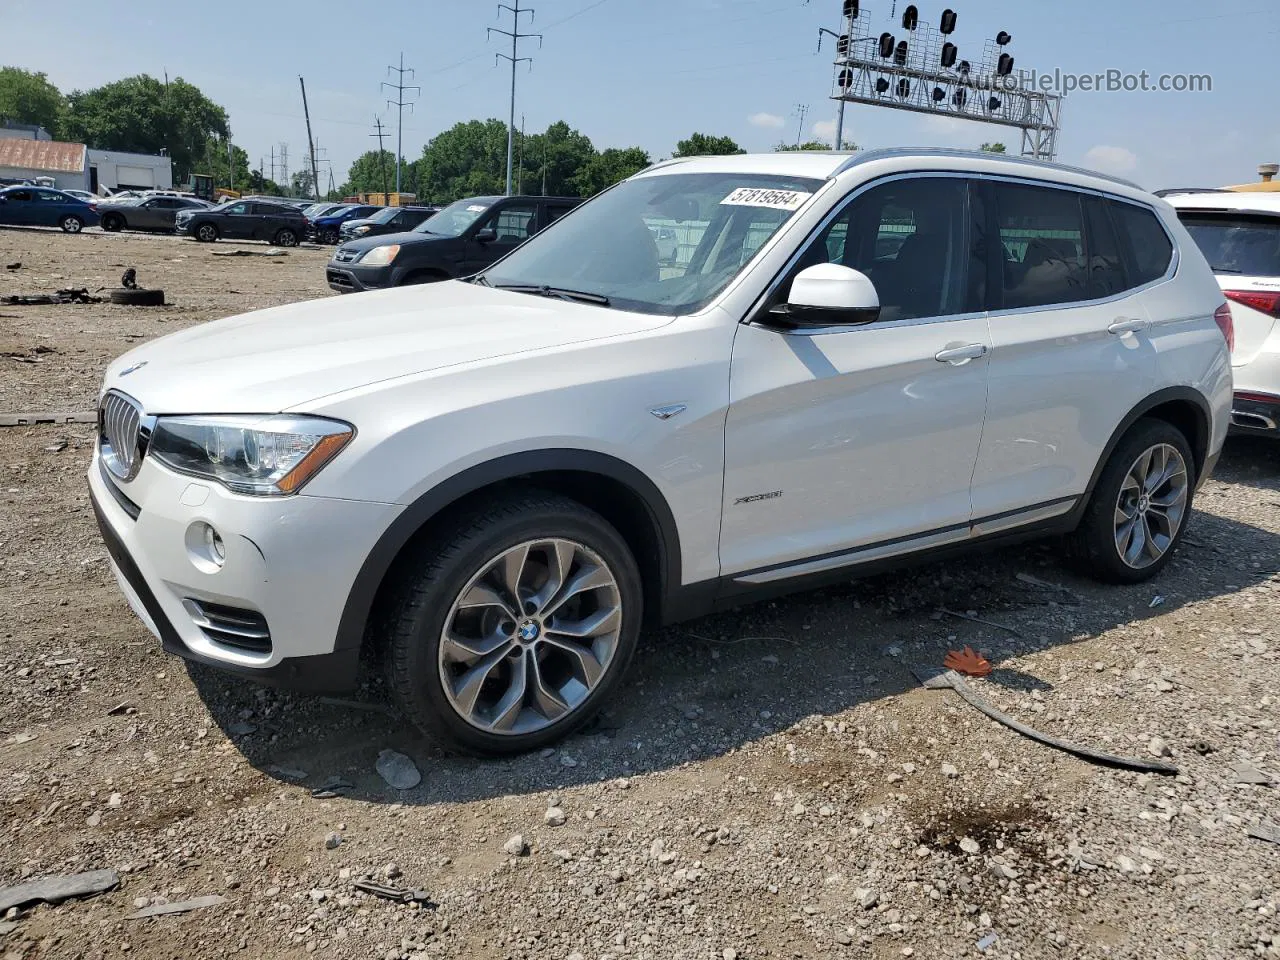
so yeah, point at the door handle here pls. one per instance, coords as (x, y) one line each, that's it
(959, 356)
(1125, 326)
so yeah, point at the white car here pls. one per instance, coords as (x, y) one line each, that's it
(1239, 234)
(497, 482)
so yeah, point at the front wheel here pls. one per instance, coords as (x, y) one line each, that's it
(514, 625)
(1140, 506)
(206, 233)
(112, 223)
(71, 224)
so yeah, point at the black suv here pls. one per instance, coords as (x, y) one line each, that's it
(276, 223)
(462, 239)
(386, 220)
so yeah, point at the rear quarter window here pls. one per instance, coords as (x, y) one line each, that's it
(1150, 249)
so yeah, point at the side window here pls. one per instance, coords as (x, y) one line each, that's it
(514, 224)
(238, 208)
(914, 238)
(23, 196)
(48, 196)
(555, 211)
(1149, 247)
(1042, 235)
(1106, 266)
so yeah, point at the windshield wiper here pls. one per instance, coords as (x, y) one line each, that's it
(480, 279)
(575, 296)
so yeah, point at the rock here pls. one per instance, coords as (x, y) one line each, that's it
(1158, 748)
(320, 896)
(554, 817)
(970, 845)
(332, 841)
(949, 771)
(729, 954)
(516, 846)
(1126, 864)
(842, 937)
(1004, 871)
(287, 773)
(1247, 773)
(397, 770)
(140, 902)
(1164, 686)
(391, 871)
(242, 728)
(567, 761)
(657, 848)
(866, 898)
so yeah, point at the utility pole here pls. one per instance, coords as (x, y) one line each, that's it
(231, 167)
(400, 103)
(315, 176)
(382, 160)
(544, 166)
(520, 178)
(273, 164)
(801, 110)
(515, 58)
(284, 166)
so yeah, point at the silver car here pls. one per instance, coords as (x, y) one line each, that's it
(146, 213)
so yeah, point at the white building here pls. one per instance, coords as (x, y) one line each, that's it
(115, 170)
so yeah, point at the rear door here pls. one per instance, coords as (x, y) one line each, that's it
(1243, 248)
(50, 206)
(1072, 350)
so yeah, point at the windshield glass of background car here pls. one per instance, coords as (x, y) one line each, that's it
(1237, 243)
(454, 219)
(384, 215)
(665, 244)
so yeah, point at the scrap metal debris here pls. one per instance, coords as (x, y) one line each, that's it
(32, 419)
(967, 661)
(1047, 585)
(58, 889)
(934, 679)
(182, 906)
(1265, 831)
(1249, 774)
(394, 894)
(973, 619)
(270, 252)
(70, 295)
(130, 279)
(13, 266)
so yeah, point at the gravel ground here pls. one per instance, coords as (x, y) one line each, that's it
(772, 783)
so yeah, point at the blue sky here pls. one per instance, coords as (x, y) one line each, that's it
(649, 72)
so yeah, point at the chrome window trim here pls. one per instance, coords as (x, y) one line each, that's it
(1174, 263)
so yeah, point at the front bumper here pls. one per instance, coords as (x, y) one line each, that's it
(353, 278)
(290, 561)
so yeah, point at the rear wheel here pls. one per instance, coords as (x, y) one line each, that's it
(206, 233)
(286, 238)
(513, 626)
(328, 235)
(1140, 506)
(71, 224)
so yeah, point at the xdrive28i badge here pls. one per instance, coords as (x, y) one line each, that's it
(757, 497)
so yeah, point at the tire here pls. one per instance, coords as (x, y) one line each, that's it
(328, 236)
(1146, 519)
(138, 298)
(423, 276)
(570, 680)
(285, 238)
(206, 233)
(71, 224)
(113, 223)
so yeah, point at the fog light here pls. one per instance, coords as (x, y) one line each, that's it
(217, 549)
(205, 547)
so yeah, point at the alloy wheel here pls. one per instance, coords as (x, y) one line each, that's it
(72, 225)
(530, 636)
(1152, 506)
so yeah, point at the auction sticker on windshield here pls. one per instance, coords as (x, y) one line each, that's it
(759, 197)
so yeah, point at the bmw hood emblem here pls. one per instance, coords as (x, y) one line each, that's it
(134, 368)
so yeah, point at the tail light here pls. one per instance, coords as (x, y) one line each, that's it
(1262, 301)
(1222, 317)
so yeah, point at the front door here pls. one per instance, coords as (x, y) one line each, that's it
(20, 206)
(240, 222)
(864, 437)
(1072, 354)
(513, 224)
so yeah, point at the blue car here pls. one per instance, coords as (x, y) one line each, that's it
(327, 228)
(43, 207)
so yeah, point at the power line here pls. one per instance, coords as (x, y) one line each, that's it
(515, 58)
(400, 103)
(382, 157)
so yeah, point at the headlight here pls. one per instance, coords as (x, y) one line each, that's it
(362, 229)
(261, 456)
(380, 256)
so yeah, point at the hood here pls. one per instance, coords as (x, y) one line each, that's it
(359, 222)
(361, 244)
(284, 357)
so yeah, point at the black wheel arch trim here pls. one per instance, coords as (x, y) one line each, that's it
(364, 589)
(1157, 399)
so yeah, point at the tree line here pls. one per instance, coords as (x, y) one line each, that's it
(141, 114)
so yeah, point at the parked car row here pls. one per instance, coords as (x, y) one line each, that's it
(460, 240)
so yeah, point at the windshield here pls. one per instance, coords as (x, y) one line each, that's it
(1247, 244)
(385, 215)
(454, 219)
(665, 244)
(335, 212)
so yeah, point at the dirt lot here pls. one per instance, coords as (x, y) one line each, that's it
(773, 783)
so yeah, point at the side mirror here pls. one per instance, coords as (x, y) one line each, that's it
(487, 235)
(829, 295)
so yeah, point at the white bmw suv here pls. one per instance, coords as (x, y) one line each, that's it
(494, 483)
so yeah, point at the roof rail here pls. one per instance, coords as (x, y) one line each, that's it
(867, 156)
